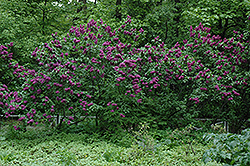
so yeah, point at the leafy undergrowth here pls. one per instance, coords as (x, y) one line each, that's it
(231, 149)
(47, 147)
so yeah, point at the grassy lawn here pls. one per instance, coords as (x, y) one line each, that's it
(45, 146)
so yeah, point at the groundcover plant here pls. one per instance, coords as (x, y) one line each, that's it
(98, 71)
(43, 147)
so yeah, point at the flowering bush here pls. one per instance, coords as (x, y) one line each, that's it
(101, 72)
(76, 75)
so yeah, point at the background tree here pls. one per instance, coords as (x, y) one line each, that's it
(29, 23)
(222, 16)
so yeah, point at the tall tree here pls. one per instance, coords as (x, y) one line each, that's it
(222, 16)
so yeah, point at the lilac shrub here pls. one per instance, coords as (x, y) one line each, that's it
(102, 72)
(224, 79)
(76, 74)
(206, 77)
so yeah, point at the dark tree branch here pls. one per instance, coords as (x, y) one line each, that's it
(118, 9)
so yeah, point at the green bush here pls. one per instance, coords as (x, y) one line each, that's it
(231, 149)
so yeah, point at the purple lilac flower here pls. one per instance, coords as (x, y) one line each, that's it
(22, 118)
(235, 93)
(121, 115)
(132, 95)
(30, 121)
(16, 128)
(141, 30)
(203, 88)
(39, 91)
(66, 89)
(90, 104)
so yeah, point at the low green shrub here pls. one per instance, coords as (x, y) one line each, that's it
(231, 149)
(76, 149)
(140, 146)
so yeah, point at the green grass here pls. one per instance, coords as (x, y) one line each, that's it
(48, 147)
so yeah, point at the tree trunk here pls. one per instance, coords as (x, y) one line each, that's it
(44, 16)
(82, 8)
(177, 17)
(166, 32)
(118, 9)
(225, 27)
(159, 3)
